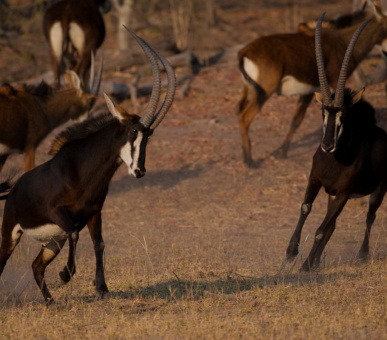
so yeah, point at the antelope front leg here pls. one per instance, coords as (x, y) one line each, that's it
(310, 195)
(95, 229)
(325, 231)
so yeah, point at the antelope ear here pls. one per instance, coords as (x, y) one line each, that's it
(115, 109)
(357, 96)
(72, 79)
(319, 97)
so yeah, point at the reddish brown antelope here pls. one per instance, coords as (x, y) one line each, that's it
(29, 113)
(57, 199)
(350, 161)
(284, 63)
(74, 29)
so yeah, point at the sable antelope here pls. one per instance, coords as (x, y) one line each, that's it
(342, 21)
(29, 113)
(57, 199)
(350, 161)
(284, 63)
(74, 29)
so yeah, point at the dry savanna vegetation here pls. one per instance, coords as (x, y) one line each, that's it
(194, 249)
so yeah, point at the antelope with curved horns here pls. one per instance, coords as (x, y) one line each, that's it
(284, 63)
(29, 113)
(56, 200)
(74, 29)
(350, 161)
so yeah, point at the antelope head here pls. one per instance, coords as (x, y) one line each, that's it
(138, 130)
(334, 107)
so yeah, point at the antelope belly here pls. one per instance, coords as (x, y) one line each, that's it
(46, 233)
(290, 86)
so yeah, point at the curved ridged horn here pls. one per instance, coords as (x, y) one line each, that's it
(339, 97)
(171, 88)
(324, 85)
(150, 110)
(94, 84)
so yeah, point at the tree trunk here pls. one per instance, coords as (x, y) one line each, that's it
(124, 10)
(181, 13)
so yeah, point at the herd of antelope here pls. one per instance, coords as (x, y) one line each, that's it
(54, 201)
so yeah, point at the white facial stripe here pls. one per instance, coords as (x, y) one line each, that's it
(77, 36)
(45, 233)
(56, 39)
(126, 154)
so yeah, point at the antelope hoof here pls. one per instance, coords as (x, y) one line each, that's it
(65, 275)
(102, 294)
(49, 302)
(280, 153)
(362, 256)
(248, 161)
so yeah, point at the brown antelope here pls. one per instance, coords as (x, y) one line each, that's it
(342, 21)
(56, 200)
(74, 29)
(284, 63)
(350, 161)
(29, 113)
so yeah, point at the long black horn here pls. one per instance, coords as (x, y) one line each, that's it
(339, 97)
(91, 76)
(97, 82)
(171, 88)
(324, 85)
(150, 110)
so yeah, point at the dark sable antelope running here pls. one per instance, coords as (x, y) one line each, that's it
(285, 63)
(350, 161)
(56, 200)
(74, 29)
(29, 113)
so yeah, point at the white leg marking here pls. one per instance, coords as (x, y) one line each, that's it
(77, 36)
(56, 39)
(126, 154)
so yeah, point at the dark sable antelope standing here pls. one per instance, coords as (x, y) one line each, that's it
(350, 161)
(57, 199)
(29, 113)
(74, 30)
(285, 63)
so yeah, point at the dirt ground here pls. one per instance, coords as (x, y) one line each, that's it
(199, 213)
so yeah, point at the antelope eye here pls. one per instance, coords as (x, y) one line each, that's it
(133, 131)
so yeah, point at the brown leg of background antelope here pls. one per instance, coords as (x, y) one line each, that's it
(46, 255)
(30, 159)
(245, 119)
(302, 105)
(95, 229)
(375, 201)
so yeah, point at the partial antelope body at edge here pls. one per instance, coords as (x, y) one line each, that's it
(74, 29)
(29, 113)
(56, 200)
(350, 161)
(285, 63)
